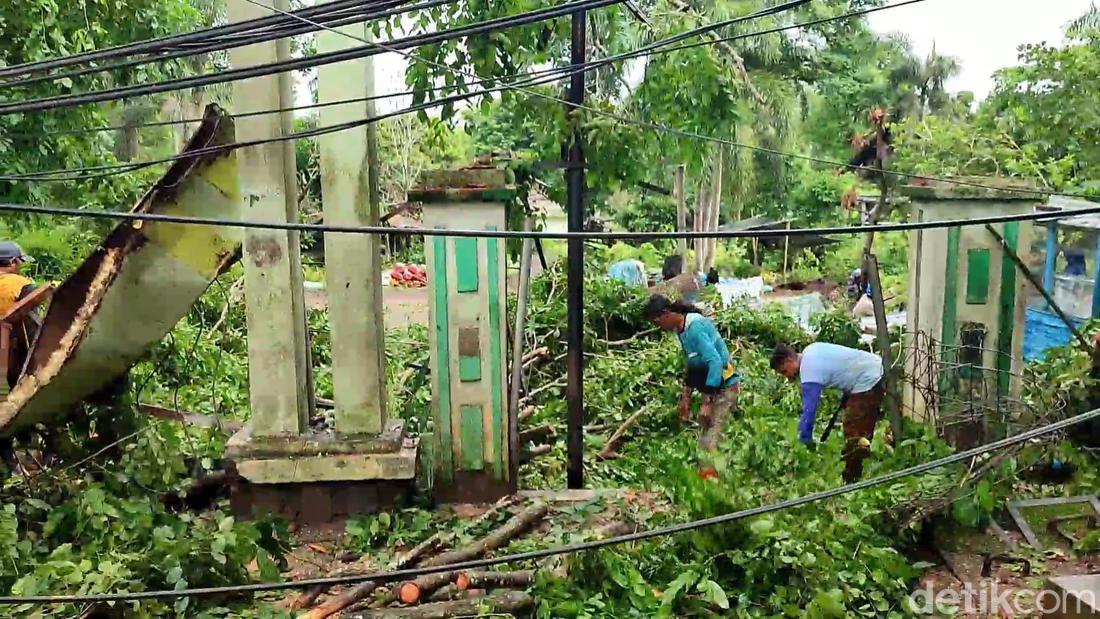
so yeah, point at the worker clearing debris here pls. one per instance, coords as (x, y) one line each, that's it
(676, 284)
(710, 370)
(857, 374)
(14, 287)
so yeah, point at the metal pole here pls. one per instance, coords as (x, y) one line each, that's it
(517, 354)
(681, 217)
(575, 287)
(1096, 281)
(1035, 282)
(1051, 257)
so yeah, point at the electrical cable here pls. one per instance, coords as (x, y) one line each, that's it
(79, 173)
(173, 41)
(121, 168)
(522, 234)
(396, 575)
(394, 8)
(372, 49)
(589, 65)
(673, 131)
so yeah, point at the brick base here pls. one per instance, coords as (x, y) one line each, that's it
(320, 503)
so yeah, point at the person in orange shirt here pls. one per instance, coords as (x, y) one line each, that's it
(13, 285)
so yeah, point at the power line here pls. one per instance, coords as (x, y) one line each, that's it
(175, 41)
(365, 51)
(594, 64)
(102, 171)
(670, 130)
(123, 168)
(522, 234)
(684, 527)
(392, 8)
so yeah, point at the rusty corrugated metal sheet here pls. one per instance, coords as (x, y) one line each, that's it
(134, 287)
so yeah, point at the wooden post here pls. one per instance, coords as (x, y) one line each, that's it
(277, 354)
(681, 216)
(352, 261)
(870, 271)
(786, 250)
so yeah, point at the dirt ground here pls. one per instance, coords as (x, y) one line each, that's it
(402, 306)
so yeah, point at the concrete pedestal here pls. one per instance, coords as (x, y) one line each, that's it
(466, 284)
(363, 462)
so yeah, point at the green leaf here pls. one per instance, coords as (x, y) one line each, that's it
(714, 594)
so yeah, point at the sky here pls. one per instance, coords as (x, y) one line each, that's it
(982, 34)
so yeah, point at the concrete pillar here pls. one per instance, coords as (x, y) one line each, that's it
(279, 375)
(321, 475)
(965, 282)
(352, 261)
(466, 284)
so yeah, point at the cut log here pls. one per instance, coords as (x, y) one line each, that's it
(494, 580)
(338, 603)
(616, 439)
(534, 452)
(413, 591)
(451, 592)
(509, 602)
(537, 434)
(494, 540)
(408, 559)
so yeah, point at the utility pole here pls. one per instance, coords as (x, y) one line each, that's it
(681, 216)
(575, 287)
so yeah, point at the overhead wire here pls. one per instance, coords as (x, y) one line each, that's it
(174, 41)
(684, 527)
(564, 72)
(522, 234)
(649, 51)
(294, 64)
(395, 7)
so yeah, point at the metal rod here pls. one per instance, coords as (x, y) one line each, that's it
(1096, 281)
(1039, 286)
(575, 286)
(517, 355)
(1051, 257)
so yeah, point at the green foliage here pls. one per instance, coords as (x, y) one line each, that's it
(837, 327)
(41, 29)
(1044, 104)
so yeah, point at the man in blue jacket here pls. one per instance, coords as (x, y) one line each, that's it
(710, 370)
(857, 374)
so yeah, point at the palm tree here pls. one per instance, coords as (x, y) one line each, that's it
(921, 85)
(1089, 21)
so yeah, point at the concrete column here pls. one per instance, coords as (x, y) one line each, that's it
(466, 283)
(352, 261)
(277, 354)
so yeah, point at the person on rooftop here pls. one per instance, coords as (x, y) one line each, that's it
(710, 370)
(857, 374)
